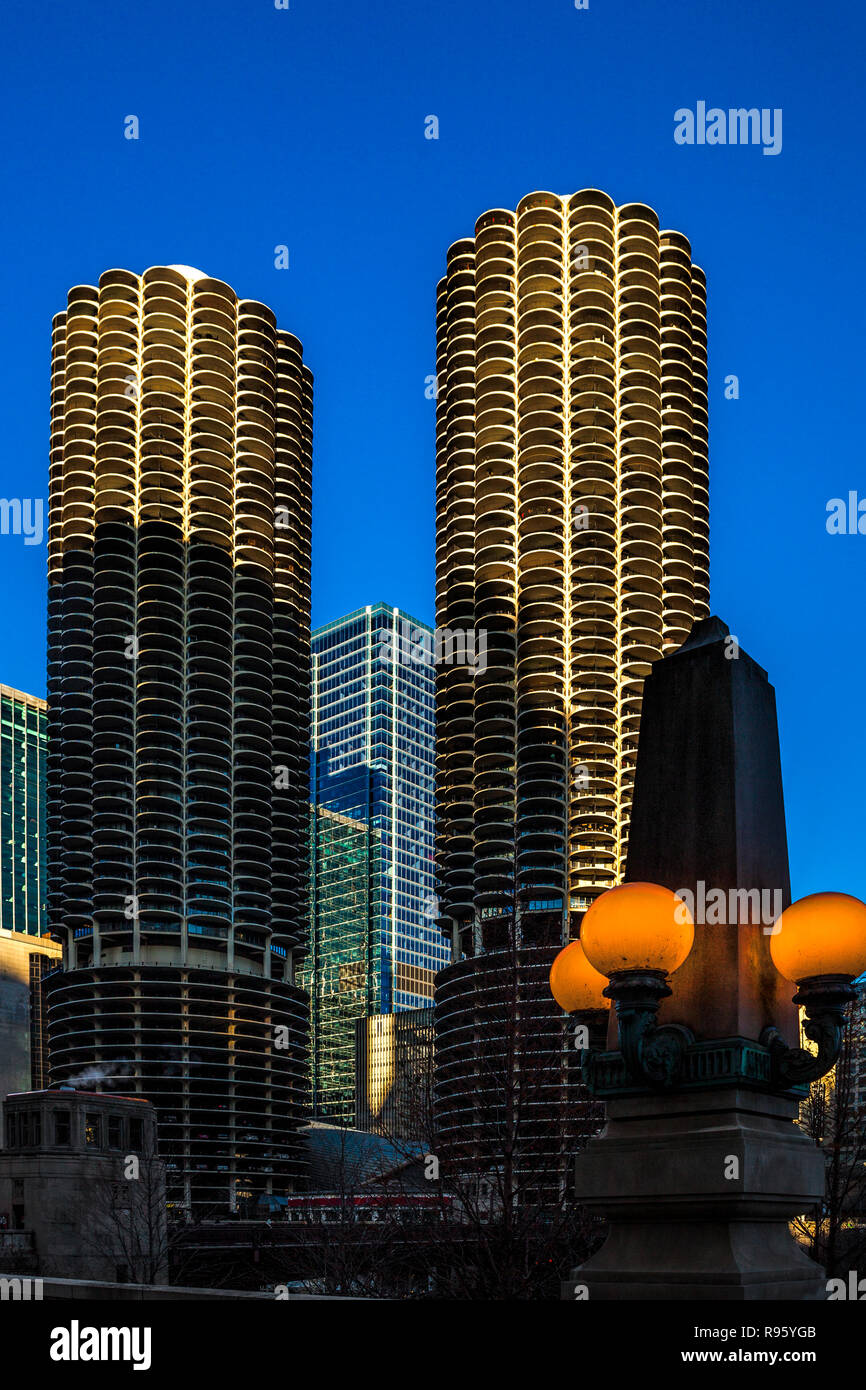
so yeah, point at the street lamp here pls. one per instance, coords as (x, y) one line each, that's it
(639, 934)
(701, 1165)
(820, 945)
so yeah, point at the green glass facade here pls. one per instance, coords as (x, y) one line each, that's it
(23, 744)
(343, 970)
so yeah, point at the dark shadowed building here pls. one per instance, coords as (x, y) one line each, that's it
(178, 678)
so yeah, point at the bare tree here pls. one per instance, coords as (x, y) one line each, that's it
(835, 1117)
(124, 1217)
(505, 1224)
(357, 1239)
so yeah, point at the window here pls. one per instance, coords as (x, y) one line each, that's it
(136, 1134)
(93, 1131)
(29, 1128)
(61, 1127)
(115, 1132)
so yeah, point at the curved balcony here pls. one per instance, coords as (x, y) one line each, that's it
(590, 598)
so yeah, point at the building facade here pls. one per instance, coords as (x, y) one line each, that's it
(572, 527)
(572, 531)
(394, 1073)
(375, 946)
(343, 971)
(178, 692)
(25, 960)
(23, 747)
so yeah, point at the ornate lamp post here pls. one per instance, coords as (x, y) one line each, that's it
(701, 1166)
(636, 935)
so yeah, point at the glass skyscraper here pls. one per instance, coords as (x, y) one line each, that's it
(23, 743)
(375, 946)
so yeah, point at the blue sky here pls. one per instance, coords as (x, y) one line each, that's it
(305, 127)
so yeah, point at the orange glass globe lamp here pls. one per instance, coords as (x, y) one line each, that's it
(637, 935)
(637, 927)
(575, 984)
(578, 988)
(819, 936)
(819, 942)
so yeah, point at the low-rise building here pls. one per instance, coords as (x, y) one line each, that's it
(80, 1176)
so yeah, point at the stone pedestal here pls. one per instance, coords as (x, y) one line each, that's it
(699, 1188)
(708, 810)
